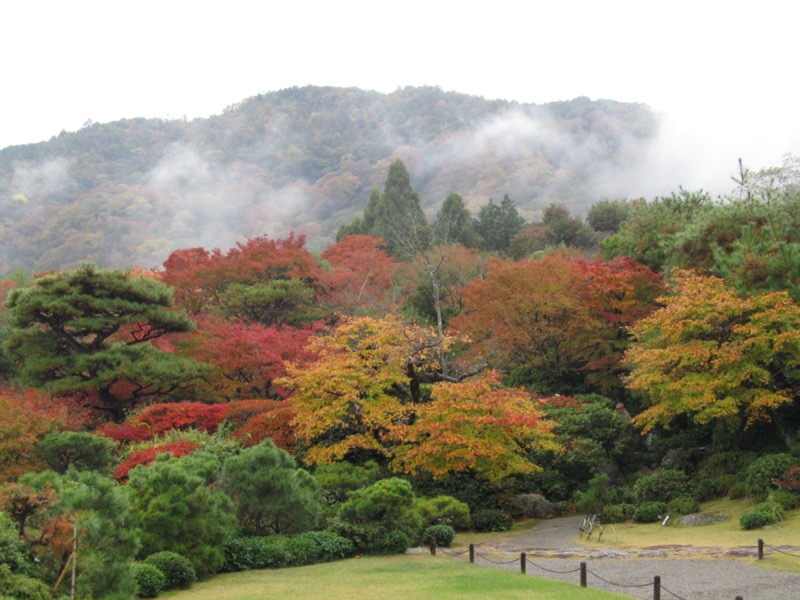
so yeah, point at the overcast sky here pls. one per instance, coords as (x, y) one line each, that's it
(723, 74)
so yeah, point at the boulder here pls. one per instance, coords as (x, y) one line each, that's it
(700, 519)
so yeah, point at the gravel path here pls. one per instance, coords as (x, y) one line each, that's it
(552, 552)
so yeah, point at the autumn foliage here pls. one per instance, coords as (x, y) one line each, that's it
(25, 418)
(475, 426)
(147, 455)
(365, 379)
(713, 355)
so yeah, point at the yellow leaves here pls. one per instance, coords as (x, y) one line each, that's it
(350, 396)
(712, 355)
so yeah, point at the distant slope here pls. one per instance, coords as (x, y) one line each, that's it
(303, 160)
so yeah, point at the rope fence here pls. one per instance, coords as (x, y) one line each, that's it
(523, 560)
(762, 545)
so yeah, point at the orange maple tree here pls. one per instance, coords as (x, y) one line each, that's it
(475, 426)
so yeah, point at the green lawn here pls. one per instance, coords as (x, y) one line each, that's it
(725, 534)
(410, 577)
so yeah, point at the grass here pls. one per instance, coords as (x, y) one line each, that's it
(725, 534)
(409, 576)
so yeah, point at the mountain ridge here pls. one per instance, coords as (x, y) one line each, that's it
(301, 159)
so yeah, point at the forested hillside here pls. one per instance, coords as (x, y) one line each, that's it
(302, 160)
(268, 406)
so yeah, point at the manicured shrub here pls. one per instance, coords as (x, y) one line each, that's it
(254, 553)
(762, 471)
(661, 486)
(366, 537)
(618, 513)
(763, 514)
(150, 580)
(177, 569)
(490, 519)
(396, 542)
(373, 538)
(444, 510)
(649, 512)
(683, 505)
(441, 534)
(317, 546)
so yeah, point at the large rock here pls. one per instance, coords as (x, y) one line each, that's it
(700, 519)
(535, 505)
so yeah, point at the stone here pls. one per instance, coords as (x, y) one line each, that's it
(701, 519)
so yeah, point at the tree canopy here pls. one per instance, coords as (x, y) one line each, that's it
(89, 331)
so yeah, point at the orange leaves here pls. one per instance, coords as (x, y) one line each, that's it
(473, 426)
(712, 354)
(25, 418)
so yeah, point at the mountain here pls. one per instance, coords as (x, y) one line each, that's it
(302, 160)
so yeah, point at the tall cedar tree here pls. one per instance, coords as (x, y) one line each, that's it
(89, 331)
(396, 215)
(497, 224)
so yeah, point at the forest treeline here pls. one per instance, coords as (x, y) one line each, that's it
(266, 406)
(300, 160)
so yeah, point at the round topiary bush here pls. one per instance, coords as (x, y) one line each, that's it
(756, 519)
(661, 486)
(649, 512)
(618, 513)
(442, 535)
(490, 519)
(150, 581)
(396, 542)
(177, 569)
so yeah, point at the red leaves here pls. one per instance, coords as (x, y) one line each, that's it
(148, 455)
(158, 419)
(247, 357)
(198, 276)
(363, 276)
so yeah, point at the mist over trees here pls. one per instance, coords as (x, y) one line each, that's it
(438, 366)
(302, 160)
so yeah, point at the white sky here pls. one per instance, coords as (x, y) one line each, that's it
(723, 73)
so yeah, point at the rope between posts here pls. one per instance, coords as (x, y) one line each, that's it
(454, 553)
(663, 589)
(497, 562)
(529, 561)
(627, 585)
(781, 551)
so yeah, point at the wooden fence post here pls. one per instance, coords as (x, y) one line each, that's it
(472, 553)
(583, 574)
(760, 549)
(433, 547)
(523, 559)
(656, 588)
